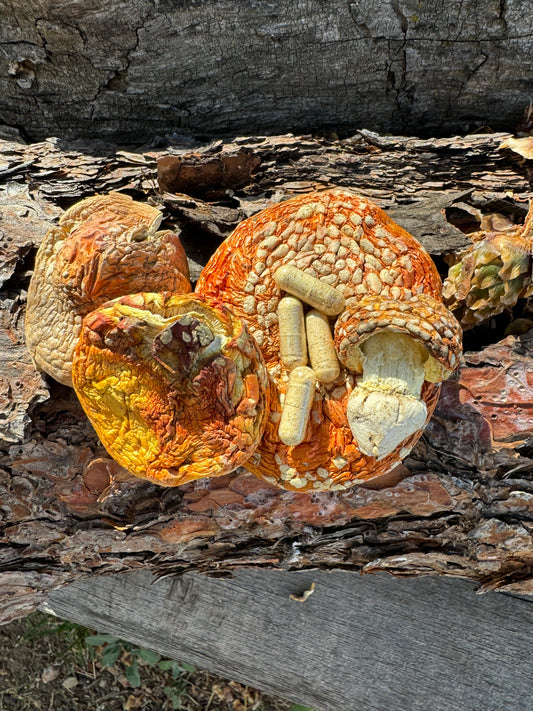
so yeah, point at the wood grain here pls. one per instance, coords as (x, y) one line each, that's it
(374, 643)
(225, 67)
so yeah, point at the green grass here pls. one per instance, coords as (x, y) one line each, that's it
(108, 651)
(105, 651)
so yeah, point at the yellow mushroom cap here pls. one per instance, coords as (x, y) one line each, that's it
(103, 247)
(175, 387)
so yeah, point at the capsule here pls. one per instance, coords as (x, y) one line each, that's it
(314, 292)
(322, 353)
(297, 406)
(292, 343)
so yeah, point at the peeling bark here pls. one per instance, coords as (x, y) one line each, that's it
(460, 505)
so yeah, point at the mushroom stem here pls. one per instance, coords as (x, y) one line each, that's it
(385, 407)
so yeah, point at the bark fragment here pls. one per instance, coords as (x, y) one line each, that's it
(460, 505)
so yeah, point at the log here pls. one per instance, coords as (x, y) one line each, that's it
(356, 642)
(461, 505)
(226, 67)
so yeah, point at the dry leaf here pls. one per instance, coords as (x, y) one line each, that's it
(522, 146)
(303, 597)
(50, 673)
(133, 702)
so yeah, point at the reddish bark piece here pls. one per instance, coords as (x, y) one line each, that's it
(499, 386)
(204, 174)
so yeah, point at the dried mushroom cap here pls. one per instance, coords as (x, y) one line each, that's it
(422, 318)
(492, 275)
(103, 247)
(175, 388)
(349, 243)
(395, 346)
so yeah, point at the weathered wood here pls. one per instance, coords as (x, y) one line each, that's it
(373, 642)
(461, 505)
(130, 69)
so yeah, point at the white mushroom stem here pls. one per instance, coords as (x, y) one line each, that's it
(385, 407)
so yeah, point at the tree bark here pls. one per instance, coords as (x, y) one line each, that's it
(210, 67)
(460, 505)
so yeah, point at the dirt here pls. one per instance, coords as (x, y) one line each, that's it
(48, 665)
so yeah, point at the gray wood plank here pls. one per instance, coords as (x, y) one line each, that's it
(375, 643)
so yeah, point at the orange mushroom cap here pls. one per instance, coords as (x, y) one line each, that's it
(103, 247)
(389, 284)
(175, 387)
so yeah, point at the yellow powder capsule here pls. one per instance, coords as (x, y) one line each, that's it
(314, 292)
(322, 353)
(297, 406)
(292, 343)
